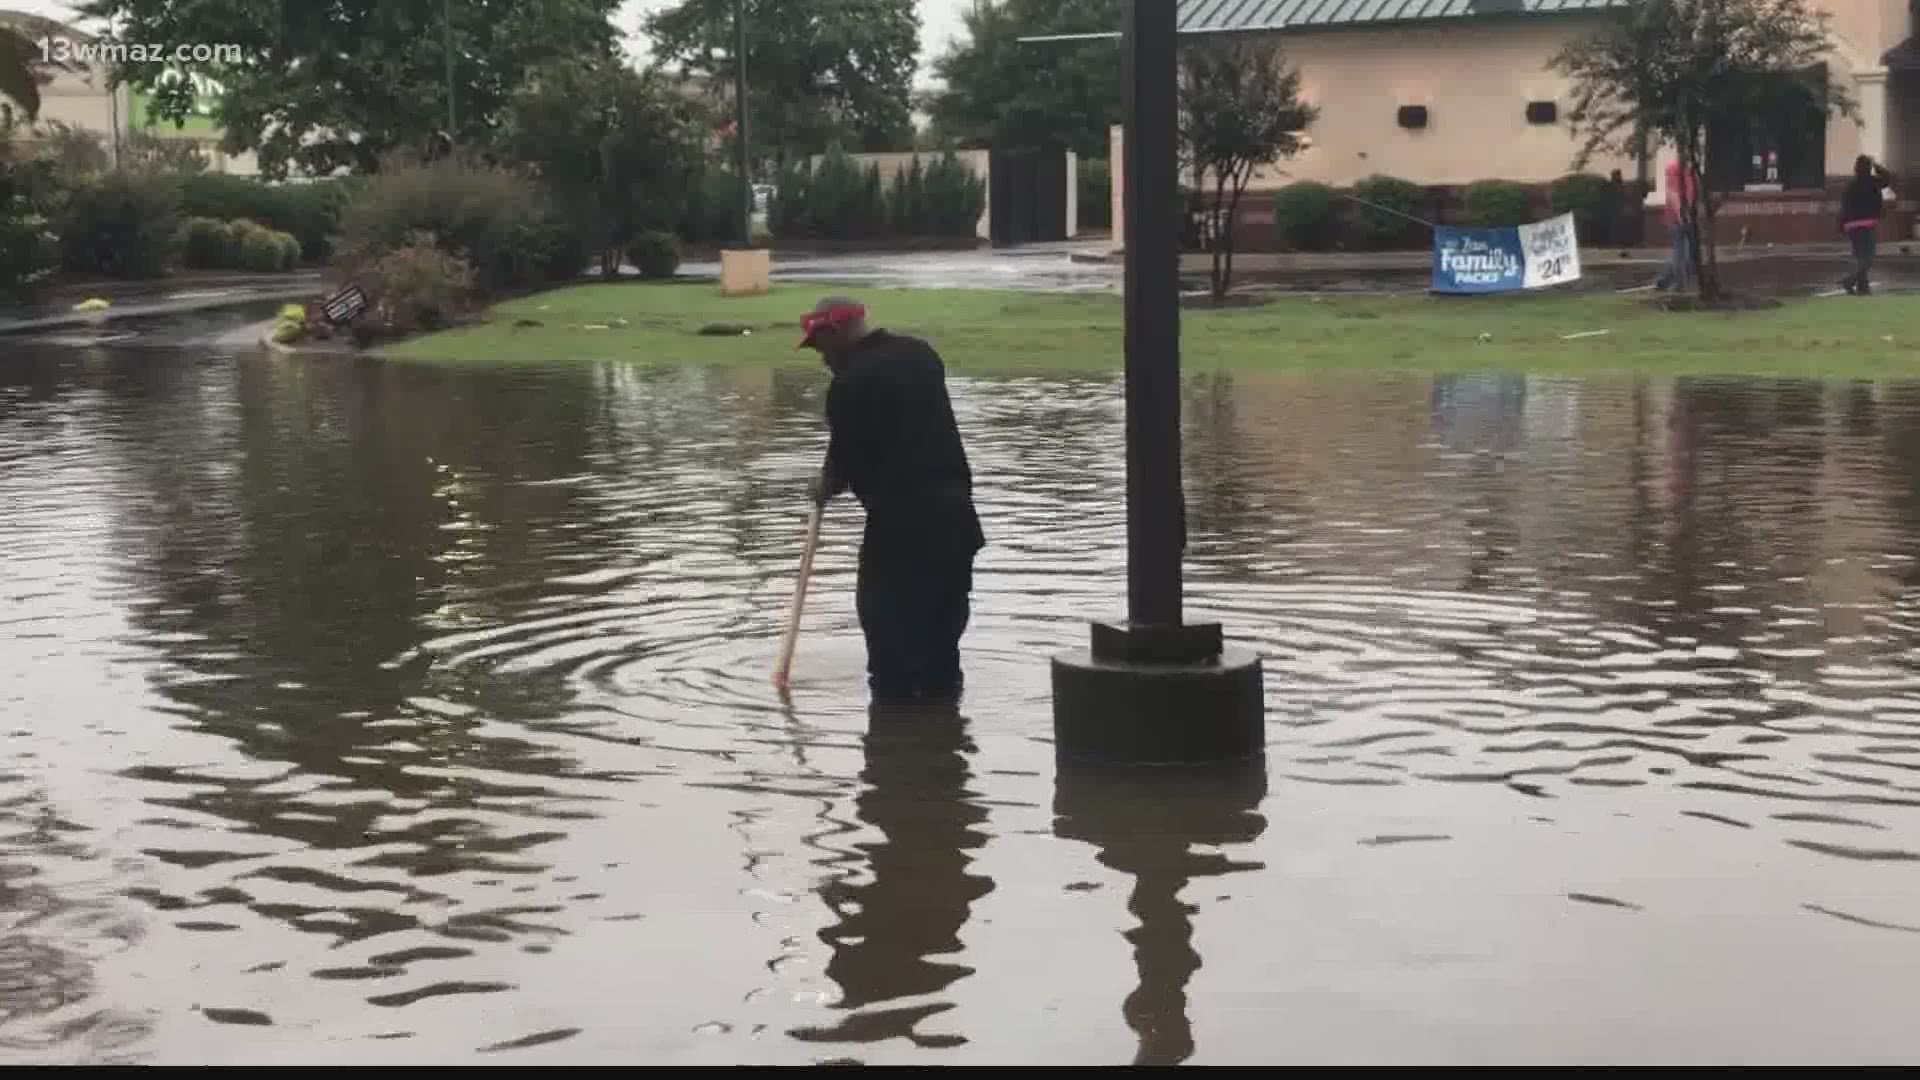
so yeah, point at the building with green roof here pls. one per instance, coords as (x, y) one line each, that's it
(1448, 92)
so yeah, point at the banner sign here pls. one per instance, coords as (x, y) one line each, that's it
(1535, 256)
(1553, 252)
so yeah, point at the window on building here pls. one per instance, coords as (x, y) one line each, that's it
(1778, 142)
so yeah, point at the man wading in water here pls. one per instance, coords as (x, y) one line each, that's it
(894, 443)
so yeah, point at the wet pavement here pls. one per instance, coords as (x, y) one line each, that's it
(1077, 267)
(377, 714)
(1040, 267)
(177, 300)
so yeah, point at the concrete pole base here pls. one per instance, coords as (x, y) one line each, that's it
(1158, 696)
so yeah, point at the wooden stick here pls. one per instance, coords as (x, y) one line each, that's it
(787, 646)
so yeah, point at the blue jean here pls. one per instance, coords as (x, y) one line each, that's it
(1678, 271)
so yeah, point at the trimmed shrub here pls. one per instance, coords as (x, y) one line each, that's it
(1095, 194)
(873, 204)
(144, 149)
(840, 200)
(121, 224)
(72, 154)
(206, 244)
(417, 286)
(1377, 230)
(27, 250)
(564, 248)
(655, 254)
(837, 198)
(289, 250)
(1592, 201)
(314, 209)
(906, 199)
(792, 201)
(260, 250)
(310, 210)
(493, 217)
(712, 214)
(953, 199)
(1303, 216)
(1497, 203)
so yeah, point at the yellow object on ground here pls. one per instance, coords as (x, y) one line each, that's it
(92, 304)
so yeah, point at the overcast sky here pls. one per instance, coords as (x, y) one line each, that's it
(939, 21)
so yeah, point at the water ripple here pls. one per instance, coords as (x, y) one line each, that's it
(342, 691)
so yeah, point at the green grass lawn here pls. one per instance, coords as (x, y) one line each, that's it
(1008, 332)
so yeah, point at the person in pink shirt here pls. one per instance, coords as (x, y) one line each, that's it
(1678, 271)
(1860, 210)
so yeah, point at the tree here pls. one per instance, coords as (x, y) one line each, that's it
(19, 80)
(818, 71)
(1671, 69)
(1240, 110)
(340, 84)
(1001, 91)
(26, 65)
(621, 147)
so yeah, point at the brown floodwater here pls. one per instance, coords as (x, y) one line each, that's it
(377, 714)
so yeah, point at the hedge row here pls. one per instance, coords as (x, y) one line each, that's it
(1384, 213)
(207, 244)
(310, 211)
(839, 200)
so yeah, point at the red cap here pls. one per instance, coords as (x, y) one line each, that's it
(839, 315)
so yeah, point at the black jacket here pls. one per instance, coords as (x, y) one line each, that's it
(896, 444)
(1863, 201)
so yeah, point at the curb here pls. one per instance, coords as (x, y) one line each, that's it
(332, 352)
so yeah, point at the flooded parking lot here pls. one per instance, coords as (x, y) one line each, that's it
(377, 714)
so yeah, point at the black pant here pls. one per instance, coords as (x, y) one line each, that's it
(913, 611)
(1864, 243)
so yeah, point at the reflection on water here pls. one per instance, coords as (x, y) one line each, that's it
(379, 714)
(898, 930)
(1147, 826)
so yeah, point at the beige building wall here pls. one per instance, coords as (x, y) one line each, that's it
(80, 99)
(1863, 31)
(1475, 81)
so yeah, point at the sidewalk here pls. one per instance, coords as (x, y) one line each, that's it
(1265, 262)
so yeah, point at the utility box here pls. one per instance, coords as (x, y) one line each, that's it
(746, 272)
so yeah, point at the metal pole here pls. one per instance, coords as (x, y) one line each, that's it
(446, 22)
(1156, 524)
(740, 121)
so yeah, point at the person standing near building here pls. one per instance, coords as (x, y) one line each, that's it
(895, 444)
(1678, 271)
(1860, 211)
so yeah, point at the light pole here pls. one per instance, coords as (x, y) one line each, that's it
(740, 121)
(1154, 688)
(446, 25)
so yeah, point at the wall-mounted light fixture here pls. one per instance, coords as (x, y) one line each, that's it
(1413, 116)
(1542, 112)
